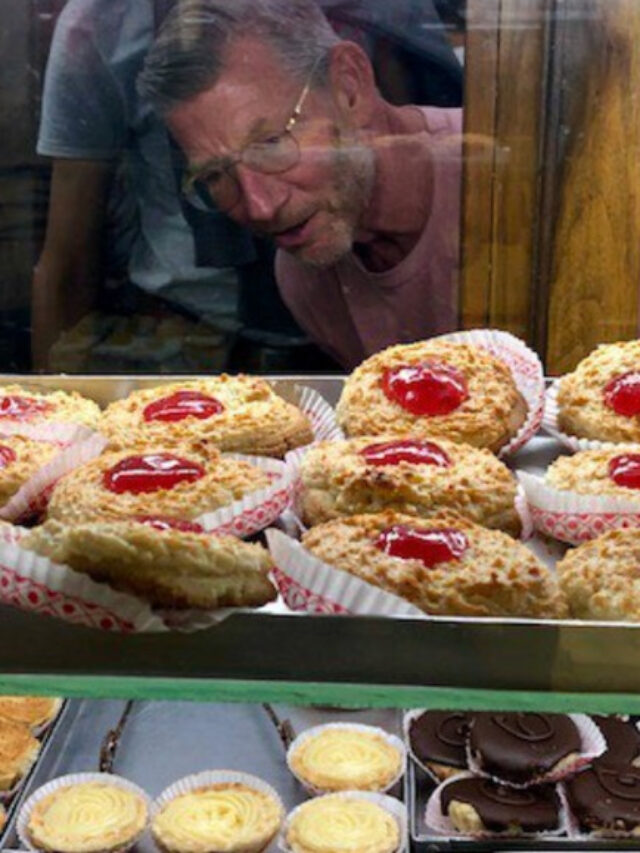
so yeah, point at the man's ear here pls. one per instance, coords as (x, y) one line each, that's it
(352, 83)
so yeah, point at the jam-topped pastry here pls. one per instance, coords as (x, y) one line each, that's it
(443, 564)
(476, 805)
(622, 738)
(177, 483)
(438, 740)
(605, 799)
(600, 399)
(20, 459)
(612, 472)
(434, 389)
(32, 711)
(523, 747)
(167, 567)
(600, 577)
(410, 475)
(23, 406)
(236, 413)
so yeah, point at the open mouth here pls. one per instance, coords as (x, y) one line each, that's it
(294, 236)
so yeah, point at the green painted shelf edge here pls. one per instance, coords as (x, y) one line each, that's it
(316, 693)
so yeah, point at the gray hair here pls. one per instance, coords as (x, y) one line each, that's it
(188, 54)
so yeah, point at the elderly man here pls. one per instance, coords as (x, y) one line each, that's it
(285, 131)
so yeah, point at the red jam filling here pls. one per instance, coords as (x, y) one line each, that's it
(425, 389)
(622, 394)
(7, 456)
(408, 450)
(625, 470)
(150, 473)
(22, 408)
(163, 522)
(428, 545)
(181, 405)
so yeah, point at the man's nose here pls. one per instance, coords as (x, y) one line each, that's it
(262, 195)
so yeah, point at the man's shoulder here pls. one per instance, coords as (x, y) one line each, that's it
(102, 20)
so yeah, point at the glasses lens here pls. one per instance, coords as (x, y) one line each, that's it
(273, 156)
(221, 194)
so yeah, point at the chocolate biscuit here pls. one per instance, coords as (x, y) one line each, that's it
(605, 799)
(622, 737)
(438, 740)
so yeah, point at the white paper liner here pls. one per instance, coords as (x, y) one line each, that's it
(320, 413)
(593, 744)
(63, 434)
(12, 533)
(64, 782)
(392, 740)
(574, 518)
(256, 510)
(308, 584)
(394, 807)
(407, 719)
(439, 824)
(33, 496)
(214, 777)
(551, 426)
(526, 369)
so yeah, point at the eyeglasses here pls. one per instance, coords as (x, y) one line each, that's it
(215, 186)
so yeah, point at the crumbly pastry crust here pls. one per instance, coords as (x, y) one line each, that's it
(81, 497)
(32, 711)
(587, 473)
(582, 411)
(345, 759)
(496, 576)
(227, 818)
(337, 480)
(18, 751)
(170, 568)
(68, 407)
(255, 419)
(87, 817)
(337, 823)
(600, 578)
(30, 456)
(493, 413)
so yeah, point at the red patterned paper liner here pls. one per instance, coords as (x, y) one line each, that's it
(62, 434)
(551, 426)
(302, 600)
(319, 411)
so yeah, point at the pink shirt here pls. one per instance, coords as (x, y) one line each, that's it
(351, 312)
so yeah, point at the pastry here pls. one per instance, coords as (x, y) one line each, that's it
(20, 405)
(173, 568)
(438, 740)
(31, 711)
(87, 817)
(229, 817)
(410, 475)
(18, 751)
(434, 389)
(611, 473)
(443, 565)
(476, 805)
(523, 747)
(20, 458)
(605, 799)
(238, 413)
(339, 823)
(344, 758)
(180, 483)
(601, 399)
(622, 738)
(600, 577)
(3, 818)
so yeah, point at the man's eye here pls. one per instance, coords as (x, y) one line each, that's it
(212, 178)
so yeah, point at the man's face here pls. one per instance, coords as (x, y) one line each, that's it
(311, 210)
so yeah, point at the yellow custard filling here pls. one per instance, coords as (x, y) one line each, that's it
(223, 817)
(87, 817)
(342, 759)
(339, 824)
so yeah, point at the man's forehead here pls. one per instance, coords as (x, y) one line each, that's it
(248, 60)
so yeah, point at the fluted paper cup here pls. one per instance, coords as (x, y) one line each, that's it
(391, 805)
(320, 413)
(552, 427)
(62, 434)
(574, 518)
(308, 584)
(394, 742)
(65, 782)
(11, 534)
(31, 500)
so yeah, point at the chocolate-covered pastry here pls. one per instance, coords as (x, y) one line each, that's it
(438, 740)
(623, 740)
(521, 747)
(605, 799)
(476, 805)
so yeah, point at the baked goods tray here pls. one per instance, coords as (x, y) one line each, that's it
(348, 660)
(160, 742)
